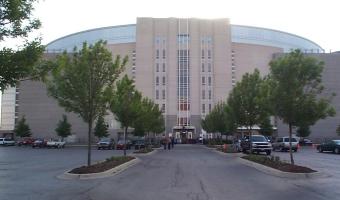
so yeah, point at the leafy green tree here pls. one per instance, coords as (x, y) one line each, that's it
(303, 131)
(219, 120)
(83, 82)
(16, 21)
(22, 129)
(63, 128)
(126, 105)
(266, 128)
(296, 90)
(101, 129)
(338, 129)
(150, 119)
(248, 101)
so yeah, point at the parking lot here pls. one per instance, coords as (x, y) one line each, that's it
(189, 171)
(26, 172)
(326, 162)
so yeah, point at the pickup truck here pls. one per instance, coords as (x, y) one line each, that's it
(55, 144)
(259, 144)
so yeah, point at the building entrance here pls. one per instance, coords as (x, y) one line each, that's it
(184, 134)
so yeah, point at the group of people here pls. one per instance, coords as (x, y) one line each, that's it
(168, 142)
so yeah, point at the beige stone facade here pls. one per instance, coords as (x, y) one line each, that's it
(186, 66)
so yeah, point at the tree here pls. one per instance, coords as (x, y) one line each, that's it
(16, 21)
(149, 120)
(83, 81)
(248, 101)
(63, 128)
(22, 129)
(338, 129)
(101, 129)
(266, 128)
(219, 120)
(296, 91)
(303, 131)
(125, 105)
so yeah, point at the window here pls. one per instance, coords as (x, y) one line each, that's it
(157, 80)
(203, 108)
(209, 54)
(163, 80)
(157, 53)
(203, 80)
(209, 94)
(209, 107)
(209, 80)
(202, 67)
(157, 67)
(203, 94)
(163, 94)
(163, 53)
(163, 67)
(163, 108)
(202, 53)
(157, 94)
(209, 67)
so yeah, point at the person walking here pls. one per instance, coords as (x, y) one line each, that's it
(172, 142)
(164, 142)
(169, 143)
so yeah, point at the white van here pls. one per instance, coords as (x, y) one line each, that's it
(7, 142)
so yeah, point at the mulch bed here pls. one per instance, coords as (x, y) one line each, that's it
(102, 166)
(144, 151)
(279, 165)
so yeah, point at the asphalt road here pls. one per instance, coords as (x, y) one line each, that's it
(188, 172)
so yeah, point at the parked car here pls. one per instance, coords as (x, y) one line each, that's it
(120, 144)
(7, 142)
(331, 145)
(139, 144)
(259, 144)
(106, 143)
(282, 144)
(39, 143)
(305, 142)
(55, 144)
(26, 141)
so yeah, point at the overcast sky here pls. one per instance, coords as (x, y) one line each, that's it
(314, 19)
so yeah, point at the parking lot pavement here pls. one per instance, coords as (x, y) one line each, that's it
(308, 156)
(187, 172)
(27, 173)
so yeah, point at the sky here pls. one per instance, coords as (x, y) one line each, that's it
(313, 19)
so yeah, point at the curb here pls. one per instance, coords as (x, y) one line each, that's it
(108, 173)
(228, 154)
(145, 154)
(281, 174)
(224, 154)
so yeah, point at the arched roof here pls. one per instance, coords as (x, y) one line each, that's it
(239, 34)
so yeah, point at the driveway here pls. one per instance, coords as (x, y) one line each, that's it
(188, 172)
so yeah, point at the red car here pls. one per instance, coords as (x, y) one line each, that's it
(40, 143)
(120, 144)
(25, 141)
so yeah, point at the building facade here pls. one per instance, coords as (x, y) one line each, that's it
(185, 66)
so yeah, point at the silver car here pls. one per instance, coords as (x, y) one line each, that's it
(282, 144)
(7, 142)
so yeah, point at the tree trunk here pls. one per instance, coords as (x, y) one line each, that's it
(290, 144)
(125, 131)
(149, 145)
(89, 144)
(250, 140)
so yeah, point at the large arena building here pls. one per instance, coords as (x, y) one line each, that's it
(185, 65)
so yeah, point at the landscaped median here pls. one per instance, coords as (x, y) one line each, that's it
(274, 166)
(109, 167)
